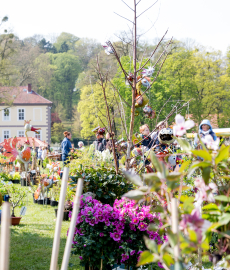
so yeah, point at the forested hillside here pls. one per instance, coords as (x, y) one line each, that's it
(62, 69)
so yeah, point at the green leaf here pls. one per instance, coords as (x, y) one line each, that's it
(168, 260)
(134, 195)
(158, 209)
(173, 238)
(184, 144)
(211, 206)
(144, 189)
(177, 266)
(173, 176)
(206, 174)
(202, 164)
(192, 235)
(145, 258)
(223, 154)
(222, 198)
(134, 178)
(156, 163)
(151, 177)
(151, 244)
(203, 154)
(188, 205)
(224, 219)
(184, 166)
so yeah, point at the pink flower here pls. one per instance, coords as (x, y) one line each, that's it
(132, 252)
(210, 143)
(141, 216)
(101, 234)
(116, 236)
(80, 257)
(181, 125)
(125, 257)
(135, 221)
(142, 226)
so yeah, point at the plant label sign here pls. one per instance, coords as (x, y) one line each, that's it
(23, 211)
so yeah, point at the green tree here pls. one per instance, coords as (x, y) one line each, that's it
(57, 132)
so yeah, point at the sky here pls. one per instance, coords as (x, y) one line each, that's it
(205, 21)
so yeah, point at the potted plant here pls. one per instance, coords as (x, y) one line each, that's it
(16, 178)
(55, 192)
(68, 203)
(113, 235)
(17, 194)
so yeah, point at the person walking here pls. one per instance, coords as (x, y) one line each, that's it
(66, 147)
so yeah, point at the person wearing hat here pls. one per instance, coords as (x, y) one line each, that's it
(100, 142)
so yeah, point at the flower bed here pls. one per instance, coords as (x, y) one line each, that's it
(108, 235)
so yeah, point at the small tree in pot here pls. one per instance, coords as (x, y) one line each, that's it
(17, 194)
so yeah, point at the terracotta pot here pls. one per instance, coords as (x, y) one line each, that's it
(15, 220)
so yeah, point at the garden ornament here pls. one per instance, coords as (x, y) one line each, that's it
(141, 99)
(108, 49)
(165, 136)
(89, 194)
(147, 72)
(29, 127)
(149, 112)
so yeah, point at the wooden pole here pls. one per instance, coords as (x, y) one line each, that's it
(56, 242)
(72, 227)
(5, 237)
(175, 226)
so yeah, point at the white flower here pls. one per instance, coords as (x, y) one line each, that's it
(210, 143)
(181, 125)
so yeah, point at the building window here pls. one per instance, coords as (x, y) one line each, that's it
(21, 114)
(38, 135)
(6, 114)
(21, 133)
(6, 134)
(37, 114)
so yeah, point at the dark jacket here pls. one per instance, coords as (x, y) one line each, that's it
(100, 144)
(66, 146)
(155, 141)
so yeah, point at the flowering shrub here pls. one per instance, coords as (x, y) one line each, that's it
(113, 234)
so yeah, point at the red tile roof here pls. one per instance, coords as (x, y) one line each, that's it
(20, 96)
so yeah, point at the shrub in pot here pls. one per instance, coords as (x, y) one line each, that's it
(16, 178)
(113, 235)
(54, 194)
(104, 182)
(17, 194)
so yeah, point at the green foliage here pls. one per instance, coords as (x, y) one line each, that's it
(104, 182)
(57, 132)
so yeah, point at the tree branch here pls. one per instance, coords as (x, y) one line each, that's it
(153, 52)
(124, 17)
(127, 5)
(147, 9)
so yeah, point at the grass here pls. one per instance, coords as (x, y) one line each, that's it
(31, 242)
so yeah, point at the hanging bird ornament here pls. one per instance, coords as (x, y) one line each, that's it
(147, 72)
(108, 48)
(149, 112)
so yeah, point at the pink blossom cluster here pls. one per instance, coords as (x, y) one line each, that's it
(138, 217)
(125, 215)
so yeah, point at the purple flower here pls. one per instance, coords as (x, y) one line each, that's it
(88, 199)
(101, 234)
(132, 227)
(80, 257)
(84, 245)
(142, 226)
(107, 222)
(135, 220)
(92, 222)
(141, 216)
(132, 252)
(120, 247)
(100, 218)
(160, 265)
(139, 252)
(114, 215)
(116, 236)
(125, 257)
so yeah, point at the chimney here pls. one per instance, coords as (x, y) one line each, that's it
(29, 89)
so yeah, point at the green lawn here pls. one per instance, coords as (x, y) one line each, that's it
(31, 242)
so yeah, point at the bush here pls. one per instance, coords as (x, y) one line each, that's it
(104, 182)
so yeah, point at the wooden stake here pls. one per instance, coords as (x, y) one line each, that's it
(72, 227)
(5, 237)
(175, 226)
(56, 242)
